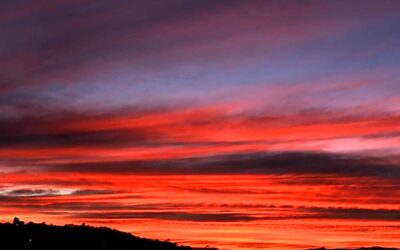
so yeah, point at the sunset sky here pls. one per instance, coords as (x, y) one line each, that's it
(234, 124)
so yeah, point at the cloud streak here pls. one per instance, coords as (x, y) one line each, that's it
(241, 124)
(254, 163)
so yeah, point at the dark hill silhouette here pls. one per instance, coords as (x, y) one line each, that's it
(32, 236)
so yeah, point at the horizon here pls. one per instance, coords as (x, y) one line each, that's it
(27, 229)
(234, 124)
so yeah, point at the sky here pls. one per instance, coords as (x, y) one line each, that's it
(234, 124)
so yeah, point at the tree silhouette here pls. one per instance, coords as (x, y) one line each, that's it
(17, 222)
(32, 236)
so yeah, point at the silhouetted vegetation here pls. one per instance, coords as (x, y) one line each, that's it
(32, 236)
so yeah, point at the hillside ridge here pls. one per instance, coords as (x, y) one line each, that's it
(40, 236)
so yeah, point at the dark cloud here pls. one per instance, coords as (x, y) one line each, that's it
(171, 211)
(303, 162)
(354, 213)
(67, 183)
(50, 128)
(254, 163)
(118, 206)
(32, 192)
(110, 138)
(27, 193)
(41, 130)
(295, 213)
(27, 201)
(220, 190)
(92, 192)
(206, 217)
(85, 206)
(25, 137)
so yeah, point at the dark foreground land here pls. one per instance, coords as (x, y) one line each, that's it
(32, 236)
